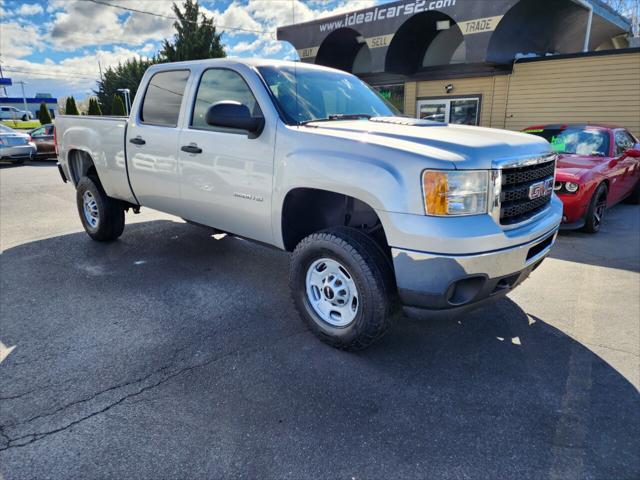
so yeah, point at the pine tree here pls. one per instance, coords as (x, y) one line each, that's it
(43, 114)
(71, 108)
(195, 37)
(94, 107)
(125, 75)
(117, 106)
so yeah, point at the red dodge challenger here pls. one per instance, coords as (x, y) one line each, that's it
(598, 166)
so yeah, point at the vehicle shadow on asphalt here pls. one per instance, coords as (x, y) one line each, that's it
(618, 240)
(172, 354)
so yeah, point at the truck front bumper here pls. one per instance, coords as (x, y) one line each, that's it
(437, 282)
(458, 263)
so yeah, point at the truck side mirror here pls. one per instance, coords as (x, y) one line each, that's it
(230, 114)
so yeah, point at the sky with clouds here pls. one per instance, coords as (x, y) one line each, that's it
(56, 46)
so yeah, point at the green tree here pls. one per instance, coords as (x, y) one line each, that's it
(125, 75)
(43, 114)
(94, 107)
(117, 106)
(71, 108)
(195, 37)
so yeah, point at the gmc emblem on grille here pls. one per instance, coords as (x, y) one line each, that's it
(541, 189)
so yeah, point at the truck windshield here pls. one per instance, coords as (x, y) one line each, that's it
(322, 95)
(575, 140)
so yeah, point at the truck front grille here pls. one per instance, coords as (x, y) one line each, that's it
(517, 202)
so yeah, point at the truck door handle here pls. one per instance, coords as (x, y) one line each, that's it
(137, 141)
(191, 148)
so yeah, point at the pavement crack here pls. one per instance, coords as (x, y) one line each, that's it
(30, 438)
(17, 395)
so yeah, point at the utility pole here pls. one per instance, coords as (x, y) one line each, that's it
(24, 98)
(4, 89)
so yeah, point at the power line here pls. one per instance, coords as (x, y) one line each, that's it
(169, 17)
(49, 74)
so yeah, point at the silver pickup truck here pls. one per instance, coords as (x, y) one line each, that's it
(380, 211)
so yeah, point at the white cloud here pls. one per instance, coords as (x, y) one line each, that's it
(76, 26)
(78, 73)
(79, 24)
(30, 9)
(17, 40)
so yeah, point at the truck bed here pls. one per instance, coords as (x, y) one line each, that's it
(103, 139)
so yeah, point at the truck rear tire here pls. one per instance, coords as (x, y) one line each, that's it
(344, 288)
(102, 216)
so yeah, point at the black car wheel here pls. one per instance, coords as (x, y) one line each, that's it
(597, 207)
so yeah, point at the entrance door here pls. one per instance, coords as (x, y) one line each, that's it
(461, 111)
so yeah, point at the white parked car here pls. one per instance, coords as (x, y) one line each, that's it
(379, 210)
(13, 113)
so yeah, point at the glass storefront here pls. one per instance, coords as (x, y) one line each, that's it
(462, 111)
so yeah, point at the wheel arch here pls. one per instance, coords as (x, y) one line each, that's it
(81, 164)
(306, 210)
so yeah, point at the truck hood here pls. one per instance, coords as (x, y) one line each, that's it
(465, 146)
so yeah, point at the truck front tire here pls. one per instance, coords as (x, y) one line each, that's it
(102, 216)
(597, 207)
(343, 288)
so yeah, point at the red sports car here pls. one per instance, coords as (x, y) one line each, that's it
(598, 166)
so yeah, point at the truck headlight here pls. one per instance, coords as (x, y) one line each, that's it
(457, 192)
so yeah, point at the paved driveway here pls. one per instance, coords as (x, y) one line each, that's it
(170, 354)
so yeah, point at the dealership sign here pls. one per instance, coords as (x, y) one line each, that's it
(385, 13)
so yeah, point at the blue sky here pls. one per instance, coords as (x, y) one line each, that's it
(56, 46)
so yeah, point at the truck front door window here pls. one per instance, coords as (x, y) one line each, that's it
(163, 98)
(219, 85)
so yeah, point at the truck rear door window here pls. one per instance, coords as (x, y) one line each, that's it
(163, 98)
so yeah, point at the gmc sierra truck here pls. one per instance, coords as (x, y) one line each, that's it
(380, 211)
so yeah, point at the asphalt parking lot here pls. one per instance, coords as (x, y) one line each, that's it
(172, 354)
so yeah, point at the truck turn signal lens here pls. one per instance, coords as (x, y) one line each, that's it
(434, 187)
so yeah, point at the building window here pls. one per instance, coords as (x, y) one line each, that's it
(394, 94)
(461, 111)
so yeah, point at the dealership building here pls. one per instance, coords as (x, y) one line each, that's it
(500, 63)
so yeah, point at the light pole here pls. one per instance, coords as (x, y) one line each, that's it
(24, 98)
(127, 98)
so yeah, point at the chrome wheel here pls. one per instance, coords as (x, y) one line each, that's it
(90, 209)
(332, 292)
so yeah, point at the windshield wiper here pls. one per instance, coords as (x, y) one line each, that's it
(339, 116)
